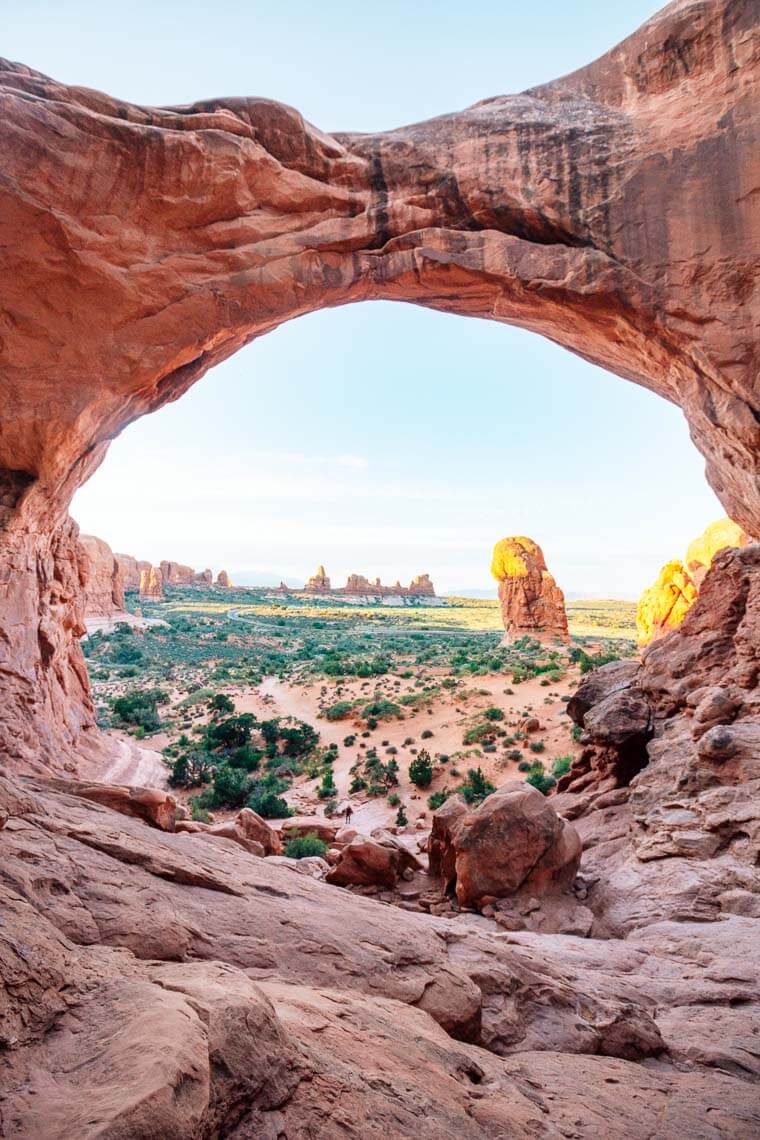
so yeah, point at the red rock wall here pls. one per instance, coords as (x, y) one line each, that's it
(613, 211)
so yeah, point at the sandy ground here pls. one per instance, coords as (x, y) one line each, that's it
(448, 719)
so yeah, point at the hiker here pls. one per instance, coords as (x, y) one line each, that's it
(349, 812)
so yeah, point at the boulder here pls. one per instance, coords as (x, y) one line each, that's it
(440, 843)
(257, 830)
(367, 862)
(514, 841)
(531, 601)
(307, 825)
(155, 807)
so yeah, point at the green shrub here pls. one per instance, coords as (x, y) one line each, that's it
(476, 787)
(221, 703)
(394, 799)
(537, 746)
(401, 820)
(340, 710)
(421, 769)
(234, 732)
(304, 846)
(437, 798)
(138, 708)
(539, 779)
(426, 734)
(561, 766)
(493, 713)
(247, 758)
(231, 787)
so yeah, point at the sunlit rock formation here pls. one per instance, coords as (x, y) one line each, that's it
(152, 583)
(531, 601)
(131, 569)
(663, 605)
(319, 583)
(223, 580)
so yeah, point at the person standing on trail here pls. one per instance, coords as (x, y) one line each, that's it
(348, 813)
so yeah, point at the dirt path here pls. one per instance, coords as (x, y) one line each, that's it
(127, 763)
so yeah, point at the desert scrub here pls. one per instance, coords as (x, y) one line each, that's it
(421, 770)
(340, 710)
(304, 846)
(561, 766)
(476, 787)
(381, 709)
(437, 798)
(539, 779)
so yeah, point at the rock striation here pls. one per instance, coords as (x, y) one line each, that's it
(272, 1003)
(664, 605)
(531, 601)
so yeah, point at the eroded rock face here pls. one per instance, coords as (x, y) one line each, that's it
(223, 580)
(612, 210)
(531, 601)
(664, 605)
(683, 726)
(131, 568)
(103, 582)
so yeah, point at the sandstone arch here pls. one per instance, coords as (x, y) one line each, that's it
(612, 210)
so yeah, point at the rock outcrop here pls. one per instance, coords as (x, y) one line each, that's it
(101, 576)
(223, 580)
(664, 605)
(272, 1002)
(531, 601)
(319, 583)
(131, 569)
(682, 726)
(175, 574)
(358, 586)
(152, 584)
(514, 841)
(612, 210)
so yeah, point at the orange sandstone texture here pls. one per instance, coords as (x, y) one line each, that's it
(663, 605)
(151, 583)
(102, 578)
(612, 210)
(531, 601)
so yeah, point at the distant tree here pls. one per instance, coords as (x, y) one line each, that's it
(221, 703)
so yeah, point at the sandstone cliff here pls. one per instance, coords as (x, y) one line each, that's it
(531, 601)
(131, 568)
(101, 577)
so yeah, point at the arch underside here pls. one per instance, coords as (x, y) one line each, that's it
(612, 211)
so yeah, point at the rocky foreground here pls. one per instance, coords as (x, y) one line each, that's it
(193, 983)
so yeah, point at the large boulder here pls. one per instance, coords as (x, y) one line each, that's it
(367, 862)
(531, 601)
(514, 841)
(257, 830)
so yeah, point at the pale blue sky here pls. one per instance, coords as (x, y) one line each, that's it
(378, 438)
